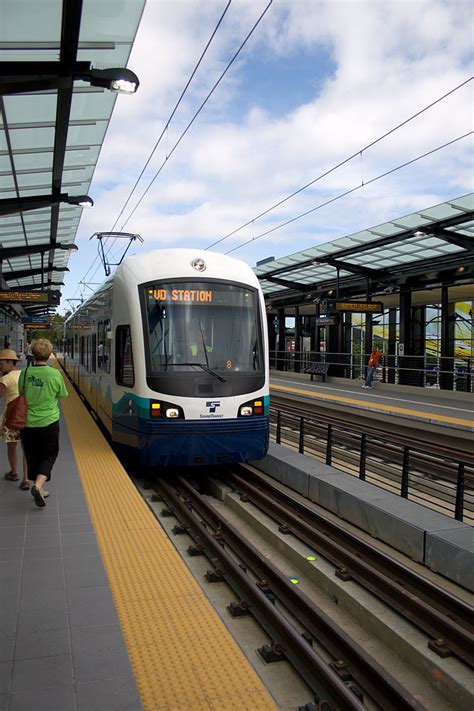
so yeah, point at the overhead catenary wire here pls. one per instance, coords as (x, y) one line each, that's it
(191, 77)
(359, 152)
(351, 190)
(259, 19)
(172, 114)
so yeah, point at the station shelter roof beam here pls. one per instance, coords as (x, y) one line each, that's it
(53, 121)
(419, 249)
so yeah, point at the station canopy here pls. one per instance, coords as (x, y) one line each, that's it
(54, 113)
(424, 250)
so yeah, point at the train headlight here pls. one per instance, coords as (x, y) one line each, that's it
(246, 411)
(254, 407)
(166, 410)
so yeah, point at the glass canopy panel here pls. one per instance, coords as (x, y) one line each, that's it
(386, 230)
(110, 20)
(440, 212)
(28, 52)
(7, 185)
(104, 54)
(86, 155)
(31, 136)
(21, 107)
(95, 105)
(35, 21)
(466, 202)
(33, 159)
(28, 180)
(86, 133)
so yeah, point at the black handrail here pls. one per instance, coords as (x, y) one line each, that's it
(303, 425)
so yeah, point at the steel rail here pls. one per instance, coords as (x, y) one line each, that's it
(368, 673)
(444, 617)
(319, 677)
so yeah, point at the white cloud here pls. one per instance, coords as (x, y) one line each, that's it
(389, 60)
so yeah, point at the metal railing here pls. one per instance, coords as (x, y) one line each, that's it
(423, 371)
(440, 482)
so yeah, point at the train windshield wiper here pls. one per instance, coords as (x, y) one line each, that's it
(205, 368)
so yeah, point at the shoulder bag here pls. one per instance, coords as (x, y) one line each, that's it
(17, 410)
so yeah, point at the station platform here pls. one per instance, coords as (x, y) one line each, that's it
(444, 411)
(97, 610)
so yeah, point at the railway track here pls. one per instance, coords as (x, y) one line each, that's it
(335, 667)
(447, 620)
(349, 675)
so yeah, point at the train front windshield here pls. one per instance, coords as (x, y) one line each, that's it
(202, 326)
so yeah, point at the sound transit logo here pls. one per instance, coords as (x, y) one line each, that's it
(212, 405)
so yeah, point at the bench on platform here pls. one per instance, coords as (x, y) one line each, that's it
(317, 369)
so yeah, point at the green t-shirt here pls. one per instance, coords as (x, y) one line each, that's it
(42, 386)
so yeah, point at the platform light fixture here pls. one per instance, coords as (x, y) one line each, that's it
(122, 80)
(79, 200)
(419, 233)
(21, 77)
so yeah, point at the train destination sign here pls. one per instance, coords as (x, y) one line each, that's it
(357, 307)
(180, 294)
(35, 326)
(25, 297)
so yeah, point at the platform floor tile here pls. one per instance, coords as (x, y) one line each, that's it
(182, 655)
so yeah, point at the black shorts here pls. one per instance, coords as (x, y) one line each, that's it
(41, 447)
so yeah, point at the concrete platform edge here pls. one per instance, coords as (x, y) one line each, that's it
(443, 544)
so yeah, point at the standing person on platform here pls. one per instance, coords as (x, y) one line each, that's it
(9, 390)
(28, 355)
(42, 387)
(374, 359)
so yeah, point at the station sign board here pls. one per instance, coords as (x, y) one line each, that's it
(28, 297)
(35, 319)
(324, 320)
(35, 326)
(357, 307)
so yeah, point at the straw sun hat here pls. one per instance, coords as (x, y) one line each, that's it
(9, 354)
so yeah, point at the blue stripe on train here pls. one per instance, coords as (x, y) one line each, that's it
(194, 443)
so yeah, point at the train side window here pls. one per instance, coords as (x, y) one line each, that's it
(107, 346)
(93, 354)
(124, 372)
(103, 347)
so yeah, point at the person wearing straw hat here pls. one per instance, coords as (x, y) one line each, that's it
(9, 391)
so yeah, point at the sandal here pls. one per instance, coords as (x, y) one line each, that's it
(24, 485)
(36, 494)
(11, 476)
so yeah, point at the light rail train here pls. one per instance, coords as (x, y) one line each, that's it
(171, 355)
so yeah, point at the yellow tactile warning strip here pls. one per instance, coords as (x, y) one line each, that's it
(182, 655)
(432, 416)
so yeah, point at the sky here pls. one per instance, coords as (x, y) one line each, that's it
(316, 83)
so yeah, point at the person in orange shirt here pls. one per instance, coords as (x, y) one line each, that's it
(374, 359)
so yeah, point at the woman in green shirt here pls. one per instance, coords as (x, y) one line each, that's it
(42, 387)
